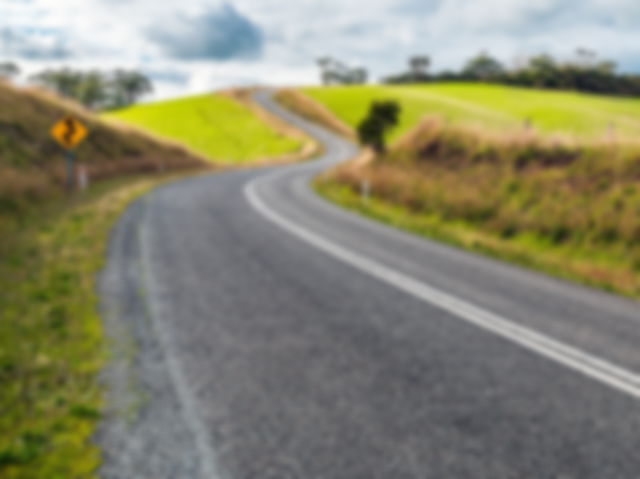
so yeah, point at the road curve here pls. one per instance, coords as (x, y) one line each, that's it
(278, 336)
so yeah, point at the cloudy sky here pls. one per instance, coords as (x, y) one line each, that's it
(196, 45)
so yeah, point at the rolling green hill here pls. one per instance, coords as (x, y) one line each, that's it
(495, 107)
(215, 126)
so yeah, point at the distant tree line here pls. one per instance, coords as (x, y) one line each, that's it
(9, 70)
(335, 72)
(94, 89)
(584, 73)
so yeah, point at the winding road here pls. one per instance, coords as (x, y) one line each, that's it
(261, 332)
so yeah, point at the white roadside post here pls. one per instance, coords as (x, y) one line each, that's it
(83, 177)
(364, 190)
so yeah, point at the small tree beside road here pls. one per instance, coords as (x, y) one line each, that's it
(383, 115)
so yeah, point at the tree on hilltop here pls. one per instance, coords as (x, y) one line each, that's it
(129, 86)
(9, 70)
(483, 67)
(419, 65)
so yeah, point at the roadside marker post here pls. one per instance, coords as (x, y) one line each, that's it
(69, 133)
(365, 190)
(83, 177)
(70, 158)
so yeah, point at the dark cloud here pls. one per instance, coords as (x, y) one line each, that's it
(220, 34)
(33, 44)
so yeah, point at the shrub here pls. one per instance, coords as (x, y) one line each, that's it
(382, 116)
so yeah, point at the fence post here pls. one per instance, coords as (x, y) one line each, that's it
(70, 160)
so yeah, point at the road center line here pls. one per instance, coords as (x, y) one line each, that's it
(596, 368)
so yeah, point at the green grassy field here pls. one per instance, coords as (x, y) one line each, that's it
(213, 125)
(494, 107)
(51, 339)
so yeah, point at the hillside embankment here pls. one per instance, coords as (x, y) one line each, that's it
(564, 205)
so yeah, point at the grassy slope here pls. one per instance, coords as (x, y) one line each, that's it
(213, 125)
(51, 345)
(612, 269)
(573, 211)
(490, 106)
(32, 164)
(569, 208)
(312, 110)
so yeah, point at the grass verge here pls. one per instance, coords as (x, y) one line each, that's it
(530, 252)
(313, 110)
(51, 340)
(570, 210)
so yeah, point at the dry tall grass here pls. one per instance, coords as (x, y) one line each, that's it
(577, 198)
(32, 164)
(310, 146)
(312, 110)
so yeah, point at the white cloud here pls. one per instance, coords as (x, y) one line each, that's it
(379, 34)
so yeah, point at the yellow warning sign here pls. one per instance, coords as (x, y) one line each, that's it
(69, 132)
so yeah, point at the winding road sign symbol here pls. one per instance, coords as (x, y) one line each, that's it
(69, 132)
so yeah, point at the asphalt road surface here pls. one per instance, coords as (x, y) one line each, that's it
(260, 332)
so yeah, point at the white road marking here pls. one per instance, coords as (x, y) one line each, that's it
(188, 401)
(578, 360)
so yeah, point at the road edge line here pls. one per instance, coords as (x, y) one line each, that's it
(188, 402)
(569, 356)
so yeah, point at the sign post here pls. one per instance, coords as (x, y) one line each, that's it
(69, 133)
(70, 158)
